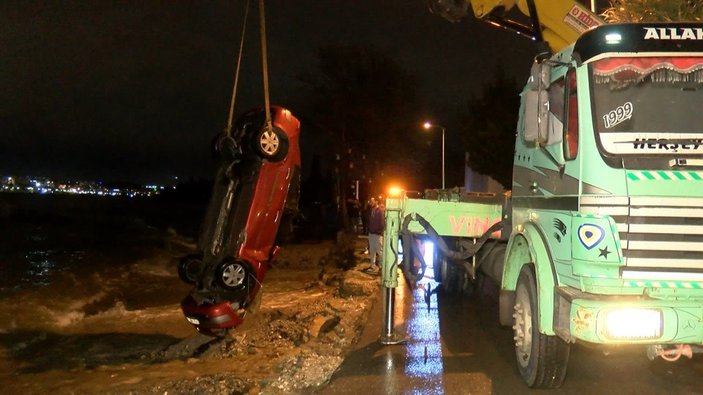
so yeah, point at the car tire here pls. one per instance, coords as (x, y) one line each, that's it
(271, 143)
(189, 268)
(232, 275)
(225, 148)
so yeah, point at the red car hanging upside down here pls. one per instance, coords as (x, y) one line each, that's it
(257, 180)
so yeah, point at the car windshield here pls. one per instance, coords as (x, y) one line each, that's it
(649, 105)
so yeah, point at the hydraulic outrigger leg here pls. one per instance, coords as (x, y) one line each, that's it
(389, 271)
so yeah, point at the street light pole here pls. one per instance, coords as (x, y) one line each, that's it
(442, 157)
(428, 126)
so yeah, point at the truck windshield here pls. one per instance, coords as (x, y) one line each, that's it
(647, 106)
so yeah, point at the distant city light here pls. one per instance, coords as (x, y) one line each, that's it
(45, 186)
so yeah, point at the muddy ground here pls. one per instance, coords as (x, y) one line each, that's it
(118, 329)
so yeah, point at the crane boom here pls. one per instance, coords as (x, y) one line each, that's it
(556, 22)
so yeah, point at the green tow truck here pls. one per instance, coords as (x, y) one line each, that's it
(601, 238)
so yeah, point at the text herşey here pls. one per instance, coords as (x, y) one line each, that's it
(663, 144)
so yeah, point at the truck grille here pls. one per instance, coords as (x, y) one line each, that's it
(656, 233)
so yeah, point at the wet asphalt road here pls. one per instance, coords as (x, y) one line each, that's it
(456, 346)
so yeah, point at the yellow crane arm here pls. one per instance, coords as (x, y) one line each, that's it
(558, 22)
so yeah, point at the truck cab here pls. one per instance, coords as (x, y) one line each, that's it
(610, 184)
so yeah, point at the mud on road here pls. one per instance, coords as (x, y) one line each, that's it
(121, 330)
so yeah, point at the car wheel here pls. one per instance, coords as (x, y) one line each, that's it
(231, 275)
(189, 268)
(271, 143)
(226, 148)
(542, 360)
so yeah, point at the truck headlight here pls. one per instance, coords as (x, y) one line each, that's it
(634, 324)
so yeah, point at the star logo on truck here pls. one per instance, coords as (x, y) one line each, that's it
(604, 252)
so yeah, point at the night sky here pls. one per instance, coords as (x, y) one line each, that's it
(136, 90)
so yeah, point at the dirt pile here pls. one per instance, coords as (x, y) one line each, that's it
(297, 344)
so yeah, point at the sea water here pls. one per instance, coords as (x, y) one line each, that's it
(66, 257)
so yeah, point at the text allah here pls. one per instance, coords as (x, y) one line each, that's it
(673, 33)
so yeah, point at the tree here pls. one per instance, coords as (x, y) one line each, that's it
(654, 11)
(488, 126)
(363, 103)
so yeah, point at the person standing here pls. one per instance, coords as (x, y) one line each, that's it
(376, 225)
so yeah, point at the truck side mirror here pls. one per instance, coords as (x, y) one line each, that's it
(536, 116)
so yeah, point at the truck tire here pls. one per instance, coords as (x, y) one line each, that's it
(542, 360)
(452, 276)
(437, 264)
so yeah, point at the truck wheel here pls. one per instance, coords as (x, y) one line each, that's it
(437, 264)
(452, 277)
(271, 144)
(542, 360)
(231, 274)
